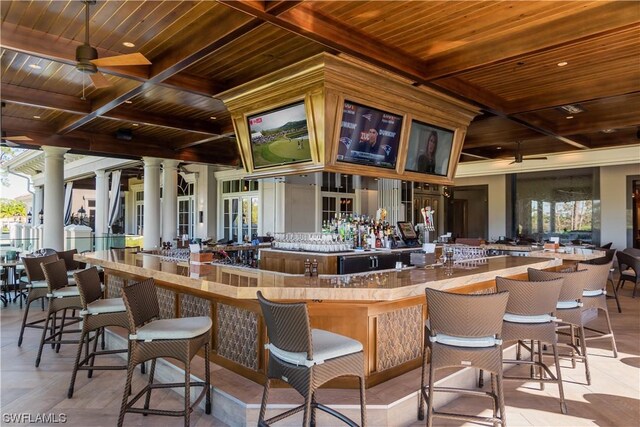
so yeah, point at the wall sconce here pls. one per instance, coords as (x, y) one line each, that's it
(201, 217)
(41, 216)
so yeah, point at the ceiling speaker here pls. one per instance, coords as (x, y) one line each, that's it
(124, 134)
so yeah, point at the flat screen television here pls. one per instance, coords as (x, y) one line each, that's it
(368, 136)
(429, 150)
(279, 136)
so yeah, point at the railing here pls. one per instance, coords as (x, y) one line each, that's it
(81, 243)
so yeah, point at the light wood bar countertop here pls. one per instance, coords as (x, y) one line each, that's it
(243, 283)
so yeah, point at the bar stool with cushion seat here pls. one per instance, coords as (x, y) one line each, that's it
(594, 295)
(36, 287)
(306, 358)
(97, 313)
(464, 331)
(607, 259)
(71, 264)
(629, 270)
(61, 297)
(149, 339)
(569, 309)
(530, 317)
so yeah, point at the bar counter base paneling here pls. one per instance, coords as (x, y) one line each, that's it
(384, 310)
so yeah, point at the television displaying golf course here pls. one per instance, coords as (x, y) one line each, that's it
(280, 136)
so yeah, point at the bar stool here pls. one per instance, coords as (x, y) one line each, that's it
(594, 295)
(530, 317)
(306, 358)
(175, 338)
(464, 331)
(36, 287)
(607, 259)
(61, 297)
(71, 264)
(569, 309)
(97, 313)
(629, 270)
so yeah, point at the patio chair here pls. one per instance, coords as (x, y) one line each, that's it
(629, 270)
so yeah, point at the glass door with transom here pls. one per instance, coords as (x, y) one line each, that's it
(240, 218)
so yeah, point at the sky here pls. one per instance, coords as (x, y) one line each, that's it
(17, 187)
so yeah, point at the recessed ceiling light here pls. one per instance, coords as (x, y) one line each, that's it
(562, 64)
(498, 148)
(35, 66)
(136, 124)
(608, 130)
(128, 44)
(128, 102)
(213, 117)
(36, 117)
(569, 117)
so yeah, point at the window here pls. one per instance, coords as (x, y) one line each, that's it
(186, 207)
(332, 205)
(559, 205)
(337, 183)
(239, 185)
(139, 212)
(240, 216)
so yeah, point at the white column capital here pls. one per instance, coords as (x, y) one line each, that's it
(50, 151)
(151, 162)
(102, 173)
(170, 164)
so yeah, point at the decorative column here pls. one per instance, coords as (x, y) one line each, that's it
(169, 200)
(102, 208)
(151, 221)
(54, 197)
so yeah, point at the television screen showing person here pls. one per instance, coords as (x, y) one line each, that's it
(429, 149)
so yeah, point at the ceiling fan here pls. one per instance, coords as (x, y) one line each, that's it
(519, 157)
(88, 61)
(10, 141)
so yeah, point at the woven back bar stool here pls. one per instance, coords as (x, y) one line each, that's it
(530, 317)
(150, 339)
(569, 310)
(464, 331)
(97, 313)
(71, 264)
(594, 295)
(629, 270)
(36, 287)
(607, 259)
(306, 358)
(61, 297)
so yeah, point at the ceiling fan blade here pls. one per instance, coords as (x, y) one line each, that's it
(99, 80)
(475, 156)
(6, 143)
(17, 138)
(121, 60)
(534, 158)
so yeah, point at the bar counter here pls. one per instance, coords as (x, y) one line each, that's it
(384, 310)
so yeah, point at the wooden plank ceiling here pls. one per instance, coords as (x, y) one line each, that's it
(504, 56)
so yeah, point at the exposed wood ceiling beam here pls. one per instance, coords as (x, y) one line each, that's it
(92, 143)
(133, 115)
(305, 22)
(59, 49)
(549, 34)
(200, 42)
(43, 99)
